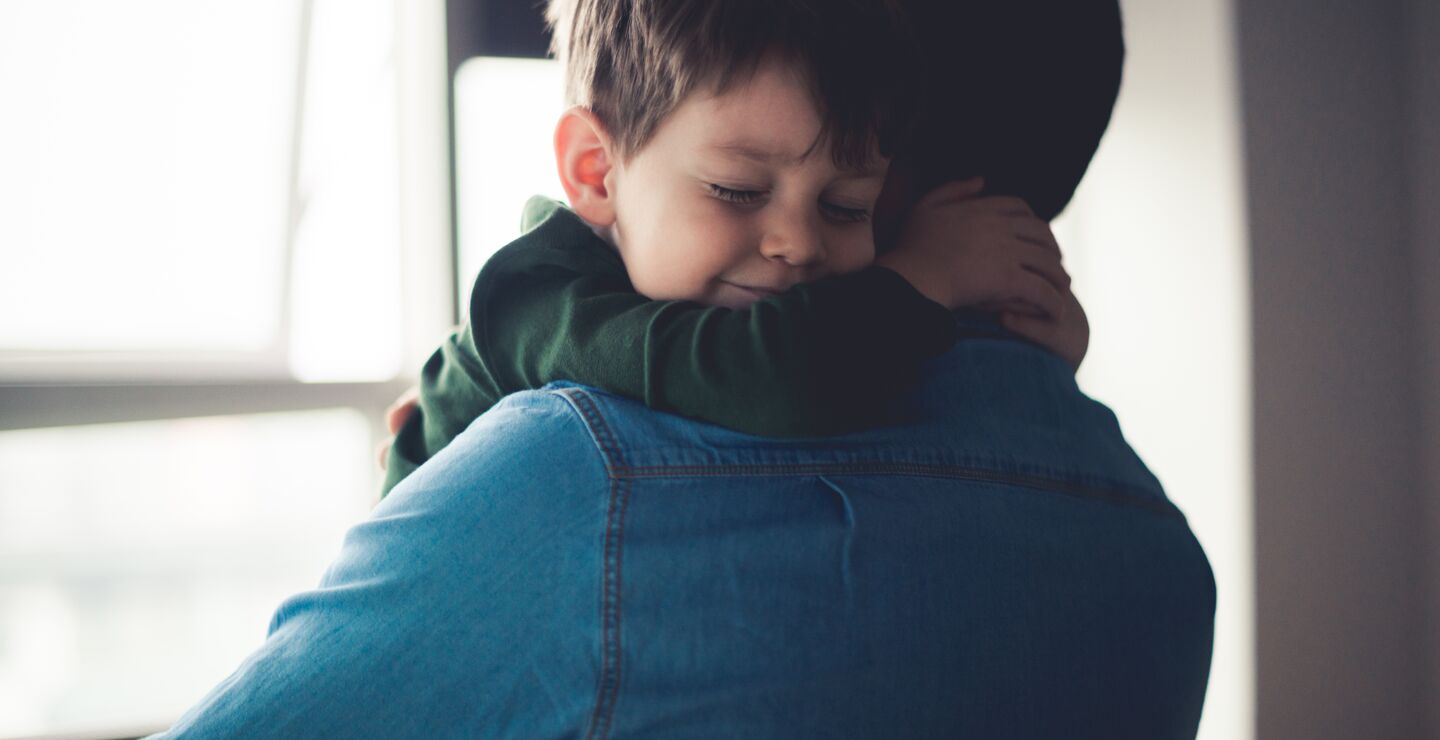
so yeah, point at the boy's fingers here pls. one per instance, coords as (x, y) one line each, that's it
(1010, 305)
(382, 453)
(1042, 261)
(1032, 288)
(1031, 327)
(1046, 333)
(1037, 232)
(401, 410)
(1010, 206)
(1043, 332)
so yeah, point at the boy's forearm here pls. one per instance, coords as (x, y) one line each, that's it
(820, 359)
(455, 389)
(823, 359)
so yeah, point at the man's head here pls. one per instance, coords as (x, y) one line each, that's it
(1018, 91)
(728, 148)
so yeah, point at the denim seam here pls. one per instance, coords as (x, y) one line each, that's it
(1050, 485)
(595, 421)
(608, 686)
(617, 468)
(621, 476)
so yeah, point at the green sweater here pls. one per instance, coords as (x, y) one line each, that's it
(556, 304)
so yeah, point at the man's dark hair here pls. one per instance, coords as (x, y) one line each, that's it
(1019, 91)
(632, 62)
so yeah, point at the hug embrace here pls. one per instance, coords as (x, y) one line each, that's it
(770, 430)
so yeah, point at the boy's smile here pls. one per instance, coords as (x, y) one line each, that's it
(736, 197)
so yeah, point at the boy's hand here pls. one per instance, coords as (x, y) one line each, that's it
(1068, 337)
(958, 250)
(395, 417)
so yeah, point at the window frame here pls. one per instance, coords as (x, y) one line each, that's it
(49, 388)
(46, 389)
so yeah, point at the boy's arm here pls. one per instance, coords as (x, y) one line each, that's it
(820, 359)
(993, 254)
(455, 388)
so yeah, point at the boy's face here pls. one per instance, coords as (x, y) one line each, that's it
(732, 201)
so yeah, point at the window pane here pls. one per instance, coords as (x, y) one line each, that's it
(143, 190)
(346, 320)
(505, 114)
(140, 562)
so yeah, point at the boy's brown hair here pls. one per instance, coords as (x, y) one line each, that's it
(632, 62)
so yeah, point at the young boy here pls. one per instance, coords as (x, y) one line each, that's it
(722, 162)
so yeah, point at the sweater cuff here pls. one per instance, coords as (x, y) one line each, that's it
(929, 327)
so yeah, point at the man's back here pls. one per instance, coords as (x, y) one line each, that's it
(1000, 565)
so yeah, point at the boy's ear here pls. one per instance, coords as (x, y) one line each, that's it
(584, 154)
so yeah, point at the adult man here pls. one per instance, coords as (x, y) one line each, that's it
(999, 564)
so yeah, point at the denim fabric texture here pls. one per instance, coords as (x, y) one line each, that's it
(996, 564)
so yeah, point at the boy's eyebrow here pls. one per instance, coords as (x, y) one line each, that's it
(762, 155)
(747, 150)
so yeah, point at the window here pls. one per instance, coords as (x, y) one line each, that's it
(200, 188)
(134, 576)
(204, 308)
(146, 174)
(502, 160)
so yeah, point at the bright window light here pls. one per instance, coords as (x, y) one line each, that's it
(152, 159)
(143, 172)
(151, 200)
(140, 562)
(346, 319)
(505, 114)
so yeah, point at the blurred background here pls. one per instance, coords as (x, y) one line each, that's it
(231, 232)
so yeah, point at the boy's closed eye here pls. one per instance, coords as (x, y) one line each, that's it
(835, 211)
(845, 214)
(733, 195)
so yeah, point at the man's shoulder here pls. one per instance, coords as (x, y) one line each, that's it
(637, 440)
(521, 419)
(991, 407)
(625, 436)
(505, 446)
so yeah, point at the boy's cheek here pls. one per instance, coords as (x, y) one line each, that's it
(675, 268)
(856, 255)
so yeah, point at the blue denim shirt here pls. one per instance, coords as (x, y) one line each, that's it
(997, 564)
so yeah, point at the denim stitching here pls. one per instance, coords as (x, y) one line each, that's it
(608, 687)
(621, 476)
(1110, 495)
(599, 429)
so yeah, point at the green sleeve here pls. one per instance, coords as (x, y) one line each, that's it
(823, 358)
(454, 390)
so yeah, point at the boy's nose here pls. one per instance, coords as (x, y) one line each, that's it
(794, 241)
